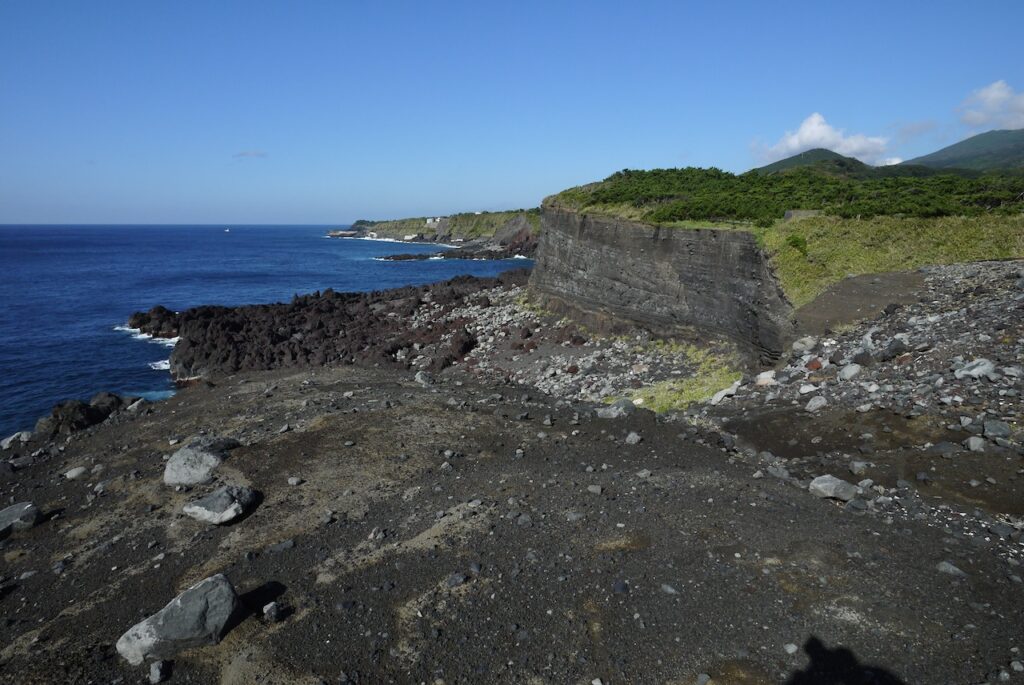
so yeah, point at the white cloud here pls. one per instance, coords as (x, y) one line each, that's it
(889, 161)
(996, 105)
(815, 132)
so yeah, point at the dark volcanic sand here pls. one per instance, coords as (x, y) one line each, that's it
(473, 531)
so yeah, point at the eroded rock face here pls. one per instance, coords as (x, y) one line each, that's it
(195, 463)
(608, 271)
(201, 615)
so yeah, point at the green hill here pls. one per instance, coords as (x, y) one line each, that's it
(983, 152)
(835, 164)
(820, 158)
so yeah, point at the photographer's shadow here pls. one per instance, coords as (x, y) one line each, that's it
(838, 666)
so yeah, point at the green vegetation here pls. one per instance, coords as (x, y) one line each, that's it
(810, 254)
(467, 225)
(992, 150)
(711, 374)
(869, 220)
(817, 157)
(682, 196)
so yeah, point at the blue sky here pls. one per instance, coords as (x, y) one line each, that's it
(325, 112)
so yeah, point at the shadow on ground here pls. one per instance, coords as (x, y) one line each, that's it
(838, 666)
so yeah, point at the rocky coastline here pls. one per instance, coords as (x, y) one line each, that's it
(445, 483)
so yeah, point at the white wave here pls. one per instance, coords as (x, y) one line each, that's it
(139, 335)
(519, 256)
(374, 240)
(162, 365)
(396, 240)
(434, 257)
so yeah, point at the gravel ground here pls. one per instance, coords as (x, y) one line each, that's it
(470, 528)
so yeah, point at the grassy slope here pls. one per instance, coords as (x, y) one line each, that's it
(813, 253)
(467, 225)
(991, 150)
(712, 371)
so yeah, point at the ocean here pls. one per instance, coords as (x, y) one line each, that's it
(67, 291)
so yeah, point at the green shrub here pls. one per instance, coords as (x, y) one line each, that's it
(798, 243)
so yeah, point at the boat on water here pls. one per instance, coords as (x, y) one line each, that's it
(227, 230)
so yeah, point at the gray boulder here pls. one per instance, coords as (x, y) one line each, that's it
(975, 444)
(19, 516)
(975, 369)
(201, 615)
(997, 429)
(805, 344)
(816, 404)
(849, 371)
(950, 569)
(834, 488)
(19, 437)
(719, 396)
(195, 463)
(223, 505)
(617, 409)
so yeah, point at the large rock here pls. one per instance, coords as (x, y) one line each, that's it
(817, 403)
(74, 415)
(67, 417)
(617, 409)
(834, 488)
(195, 463)
(223, 505)
(997, 429)
(849, 371)
(200, 615)
(10, 441)
(804, 345)
(19, 516)
(976, 369)
(719, 396)
(107, 402)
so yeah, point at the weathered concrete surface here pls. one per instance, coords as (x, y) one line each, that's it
(609, 272)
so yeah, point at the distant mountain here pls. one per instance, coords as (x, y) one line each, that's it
(983, 152)
(826, 160)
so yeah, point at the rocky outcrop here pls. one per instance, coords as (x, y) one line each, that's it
(317, 329)
(74, 415)
(515, 238)
(610, 271)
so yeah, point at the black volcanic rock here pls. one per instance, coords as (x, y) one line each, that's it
(321, 328)
(74, 415)
(160, 322)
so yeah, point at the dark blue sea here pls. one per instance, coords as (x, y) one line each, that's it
(67, 291)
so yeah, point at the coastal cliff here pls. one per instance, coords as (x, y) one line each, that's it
(612, 273)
